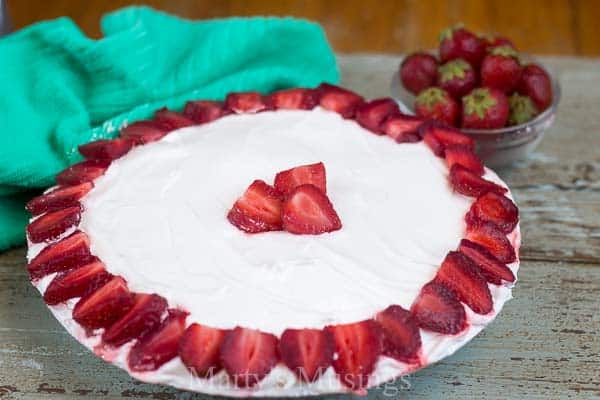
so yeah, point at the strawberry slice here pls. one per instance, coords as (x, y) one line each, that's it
(470, 184)
(106, 149)
(59, 198)
(459, 274)
(438, 136)
(401, 337)
(496, 209)
(437, 309)
(308, 210)
(142, 132)
(339, 100)
(307, 352)
(53, 224)
(293, 99)
(490, 267)
(84, 171)
(248, 355)
(314, 174)
(372, 114)
(358, 346)
(158, 346)
(76, 283)
(70, 252)
(403, 128)
(245, 103)
(171, 120)
(464, 156)
(143, 317)
(199, 349)
(102, 308)
(203, 111)
(494, 240)
(258, 210)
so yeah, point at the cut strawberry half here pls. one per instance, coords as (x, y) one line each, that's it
(437, 309)
(84, 171)
(102, 308)
(258, 210)
(470, 184)
(307, 210)
(171, 120)
(293, 99)
(339, 100)
(142, 132)
(403, 128)
(288, 180)
(358, 346)
(76, 283)
(143, 317)
(494, 240)
(496, 209)
(490, 267)
(372, 114)
(459, 274)
(158, 346)
(70, 252)
(203, 111)
(59, 198)
(307, 352)
(401, 337)
(438, 136)
(53, 224)
(199, 349)
(464, 156)
(106, 149)
(245, 103)
(248, 355)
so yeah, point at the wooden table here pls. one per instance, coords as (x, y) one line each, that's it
(544, 345)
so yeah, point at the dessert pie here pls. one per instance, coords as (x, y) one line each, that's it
(299, 243)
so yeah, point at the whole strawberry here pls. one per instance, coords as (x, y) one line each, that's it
(484, 108)
(457, 77)
(436, 103)
(418, 71)
(501, 69)
(495, 41)
(521, 109)
(536, 84)
(457, 42)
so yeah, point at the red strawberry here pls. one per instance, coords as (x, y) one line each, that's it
(401, 337)
(484, 108)
(288, 180)
(465, 156)
(470, 184)
(59, 198)
(102, 308)
(495, 41)
(339, 100)
(371, 115)
(521, 109)
(248, 355)
(358, 346)
(158, 346)
(501, 69)
(245, 103)
(403, 128)
(142, 132)
(293, 99)
(53, 224)
(203, 111)
(492, 270)
(258, 210)
(535, 83)
(437, 309)
(171, 120)
(70, 252)
(438, 136)
(106, 149)
(307, 352)
(199, 349)
(494, 240)
(144, 316)
(496, 209)
(457, 42)
(76, 283)
(456, 77)
(436, 103)
(84, 171)
(307, 210)
(418, 71)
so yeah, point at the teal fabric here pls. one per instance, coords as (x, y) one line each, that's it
(60, 88)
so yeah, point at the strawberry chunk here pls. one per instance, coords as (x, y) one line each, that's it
(171, 120)
(106, 149)
(158, 346)
(438, 136)
(307, 210)
(372, 114)
(494, 240)
(307, 352)
(464, 156)
(339, 100)
(490, 267)
(142, 132)
(84, 171)
(245, 103)
(358, 346)
(76, 283)
(437, 309)
(143, 317)
(59, 198)
(248, 355)
(293, 99)
(496, 209)
(203, 111)
(314, 174)
(470, 184)
(199, 349)
(459, 274)
(102, 308)
(258, 210)
(53, 224)
(70, 252)
(401, 337)
(403, 128)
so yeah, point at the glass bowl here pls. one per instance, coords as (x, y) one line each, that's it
(497, 147)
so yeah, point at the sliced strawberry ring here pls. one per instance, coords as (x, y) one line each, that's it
(470, 184)
(171, 120)
(495, 209)
(203, 111)
(76, 283)
(106, 149)
(199, 349)
(494, 240)
(53, 224)
(403, 128)
(438, 136)
(306, 352)
(371, 115)
(142, 132)
(459, 154)
(84, 171)
(339, 100)
(288, 180)
(70, 252)
(401, 336)
(59, 198)
(293, 99)
(491, 268)
(245, 103)
(437, 309)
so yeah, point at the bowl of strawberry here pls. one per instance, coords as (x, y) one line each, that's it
(482, 85)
